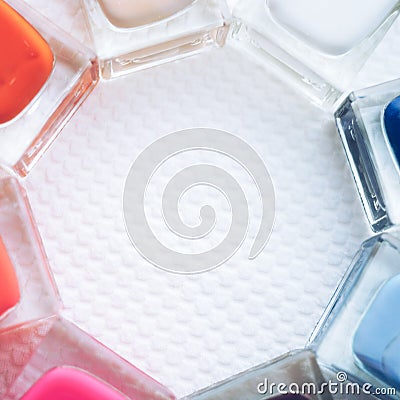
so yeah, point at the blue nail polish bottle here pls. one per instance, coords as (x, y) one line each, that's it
(391, 128)
(369, 125)
(359, 333)
(376, 343)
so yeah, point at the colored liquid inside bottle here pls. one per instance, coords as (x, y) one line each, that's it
(376, 343)
(332, 27)
(66, 383)
(133, 13)
(391, 122)
(9, 288)
(26, 62)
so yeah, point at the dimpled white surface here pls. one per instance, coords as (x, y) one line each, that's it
(191, 331)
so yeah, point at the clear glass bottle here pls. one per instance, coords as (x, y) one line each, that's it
(133, 35)
(289, 373)
(367, 124)
(359, 333)
(314, 44)
(45, 76)
(28, 291)
(68, 363)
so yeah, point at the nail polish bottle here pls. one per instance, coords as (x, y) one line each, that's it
(314, 44)
(131, 35)
(288, 377)
(27, 288)
(359, 333)
(65, 383)
(369, 124)
(44, 76)
(9, 286)
(67, 363)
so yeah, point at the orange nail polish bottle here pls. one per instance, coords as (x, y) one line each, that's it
(26, 63)
(45, 75)
(9, 288)
(28, 292)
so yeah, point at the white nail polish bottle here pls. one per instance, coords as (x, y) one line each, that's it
(131, 35)
(318, 45)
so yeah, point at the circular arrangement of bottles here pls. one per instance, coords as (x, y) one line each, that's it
(45, 75)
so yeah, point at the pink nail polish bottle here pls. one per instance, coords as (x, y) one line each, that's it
(68, 363)
(66, 383)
